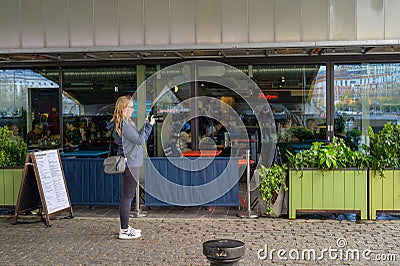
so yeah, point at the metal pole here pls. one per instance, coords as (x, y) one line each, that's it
(138, 213)
(248, 181)
(137, 198)
(249, 213)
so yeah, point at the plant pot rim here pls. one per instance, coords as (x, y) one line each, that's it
(386, 169)
(13, 167)
(337, 169)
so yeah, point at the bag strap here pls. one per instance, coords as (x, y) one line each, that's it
(109, 147)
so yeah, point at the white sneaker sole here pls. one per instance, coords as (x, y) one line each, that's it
(124, 237)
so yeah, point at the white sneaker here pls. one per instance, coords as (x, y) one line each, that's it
(128, 234)
(133, 229)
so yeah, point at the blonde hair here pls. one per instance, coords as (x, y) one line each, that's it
(119, 112)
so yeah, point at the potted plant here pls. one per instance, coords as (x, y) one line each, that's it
(384, 181)
(294, 139)
(12, 158)
(328, 177)
(272, 187)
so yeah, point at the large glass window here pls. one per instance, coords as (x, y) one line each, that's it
(219, 113)
(203, 102)
(27, 98)
(164, 93)
(297, 96)
(365, 95)
(89, 96)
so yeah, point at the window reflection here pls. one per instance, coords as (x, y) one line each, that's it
(297, 97)
(89, 96)
(365, 95)
(23, 104)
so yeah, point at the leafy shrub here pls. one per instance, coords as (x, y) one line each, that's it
(335, 155)
(272, 179)
(339, 124)
(353, 138)
(384, 147)
(12, 149)
(301, 133)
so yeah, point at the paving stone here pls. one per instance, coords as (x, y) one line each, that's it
(92, 240)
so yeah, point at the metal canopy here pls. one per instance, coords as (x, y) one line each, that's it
(97, 85)
(187, 52)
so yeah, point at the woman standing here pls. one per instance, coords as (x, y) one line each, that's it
(129, 141)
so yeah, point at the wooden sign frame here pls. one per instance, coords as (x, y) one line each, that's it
(43, 186)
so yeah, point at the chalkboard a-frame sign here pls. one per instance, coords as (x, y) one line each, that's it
(43, 186)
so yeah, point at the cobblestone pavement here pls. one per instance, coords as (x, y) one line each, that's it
(88, 240)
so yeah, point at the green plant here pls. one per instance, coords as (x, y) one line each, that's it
(272, 179)
(301, 133)
(384, 147)
(339, 124)
(12, 149)
(335, 155)
(353, 138)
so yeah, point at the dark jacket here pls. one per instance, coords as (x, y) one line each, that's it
(117, 138)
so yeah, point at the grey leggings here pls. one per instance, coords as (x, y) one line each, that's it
(128, 192)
